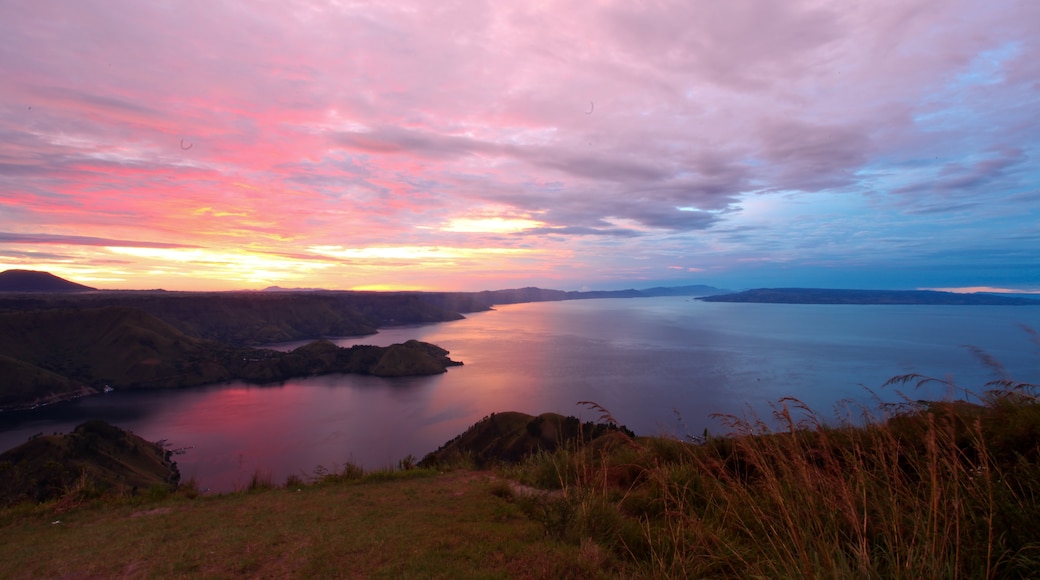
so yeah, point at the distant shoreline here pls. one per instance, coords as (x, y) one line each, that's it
(868, 297)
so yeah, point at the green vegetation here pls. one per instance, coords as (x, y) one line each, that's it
(54, 354)
(915, 490)
(390, 524)
(510, 437)
(95, 459)
(51, 353)
(932, 490)
(251, 318)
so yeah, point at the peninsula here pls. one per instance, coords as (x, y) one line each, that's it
(58, 354)
(841, 296)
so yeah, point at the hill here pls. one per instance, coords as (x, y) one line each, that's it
(411, 358)
(251, 318)
(833, 296)
(282, 315)
(695, 290)
(57, 354)
(96, 456)
(510, 437)
(409, 524)
(35, 281)
(929, 490)
(531, 294)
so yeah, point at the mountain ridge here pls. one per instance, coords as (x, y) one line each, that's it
(37, 281)
(52, 355)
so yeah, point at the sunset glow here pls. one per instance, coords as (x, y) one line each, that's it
(427, 255)
(409, 145)
(491, 225)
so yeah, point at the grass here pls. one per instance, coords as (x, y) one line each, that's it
(409, 523)
(915, 490)
(927, 490)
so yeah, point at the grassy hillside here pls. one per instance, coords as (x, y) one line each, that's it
(53, 354)
(251, 318)
(411, 358)
(23, 383)
(56, 352)
(94, 459)
(918, 490)
(416, 524)
(512, 436)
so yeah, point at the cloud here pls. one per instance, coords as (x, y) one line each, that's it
(394, 140)
(31, 256)
(616, 178)
(810, 157)
(672, 218)
(750, 131)
(745, 44)
(16, 238)
(579, 231)
(957, 179)
(95, 107)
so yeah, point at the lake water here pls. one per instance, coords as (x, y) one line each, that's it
(660, 365)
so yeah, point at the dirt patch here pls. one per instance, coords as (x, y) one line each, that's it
(154, 512)
(527, 491)
(519, 489)
(461, 480)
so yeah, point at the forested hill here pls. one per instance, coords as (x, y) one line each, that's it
(832, 296)
(57, 354)
(251, 318)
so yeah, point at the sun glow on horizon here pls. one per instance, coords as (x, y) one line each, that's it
(288, 153)
(412, 253)
(244, 266)
(389, 288)
(989, 289)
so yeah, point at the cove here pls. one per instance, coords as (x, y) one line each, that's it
(660, 365)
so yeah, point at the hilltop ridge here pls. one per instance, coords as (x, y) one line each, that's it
(58, 354)
(95, 455)
(37, 281)
(270, 316)
(937, 489)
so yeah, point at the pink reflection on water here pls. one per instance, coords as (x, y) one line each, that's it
(647, 361)
(492, 346)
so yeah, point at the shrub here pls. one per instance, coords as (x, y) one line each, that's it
(294, 481)
(920, 489)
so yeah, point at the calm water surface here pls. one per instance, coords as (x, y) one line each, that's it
(661, 365)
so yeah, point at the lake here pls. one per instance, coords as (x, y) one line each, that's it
(660, 365)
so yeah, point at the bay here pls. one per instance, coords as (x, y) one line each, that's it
(660, 365)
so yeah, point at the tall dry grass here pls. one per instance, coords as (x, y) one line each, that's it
(915, 490)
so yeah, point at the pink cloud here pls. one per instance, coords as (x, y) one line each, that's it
(271, 127)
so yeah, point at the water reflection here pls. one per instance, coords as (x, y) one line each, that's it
(650, 361)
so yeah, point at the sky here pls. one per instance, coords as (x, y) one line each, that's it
(220, 145)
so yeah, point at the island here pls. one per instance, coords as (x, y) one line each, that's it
(842, 296)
